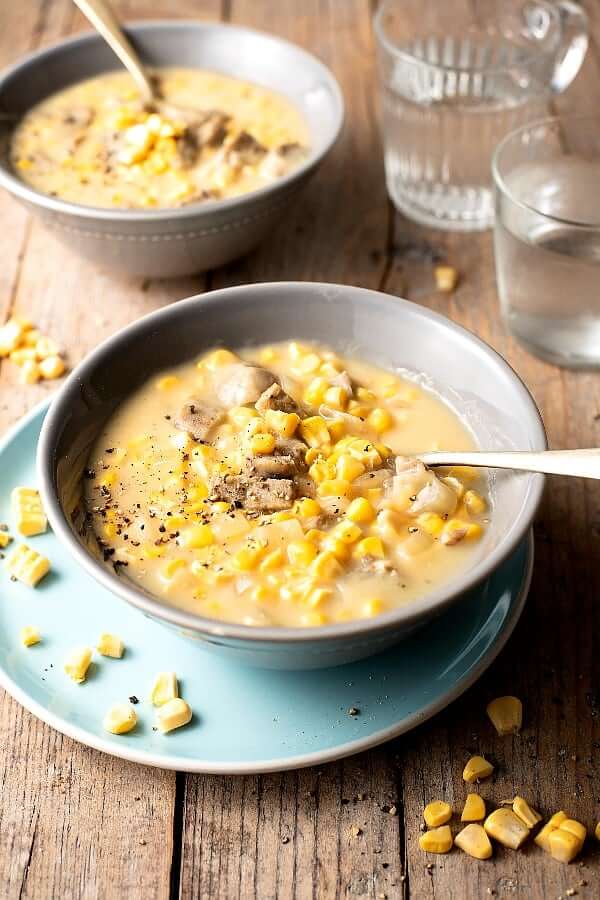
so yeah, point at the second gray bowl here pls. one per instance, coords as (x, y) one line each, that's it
(172, 242)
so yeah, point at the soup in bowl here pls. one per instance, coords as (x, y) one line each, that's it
(227, 471)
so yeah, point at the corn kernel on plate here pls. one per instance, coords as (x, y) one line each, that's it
(243, 719)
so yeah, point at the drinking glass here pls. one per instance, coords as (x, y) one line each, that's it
(455, 78)
(547, 237)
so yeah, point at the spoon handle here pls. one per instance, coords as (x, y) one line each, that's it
(101, 16)
(580, 463)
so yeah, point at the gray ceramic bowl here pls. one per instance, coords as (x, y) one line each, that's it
(173, 242)
(394, 333)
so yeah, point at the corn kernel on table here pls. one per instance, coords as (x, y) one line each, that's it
(75, 823)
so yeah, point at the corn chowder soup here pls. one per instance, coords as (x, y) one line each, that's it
(277, 486)
(210, 137)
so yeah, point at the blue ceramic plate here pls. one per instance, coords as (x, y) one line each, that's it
(245, 720)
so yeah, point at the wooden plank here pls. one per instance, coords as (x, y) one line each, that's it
(74, 823)
(550, 662)
(289, 835)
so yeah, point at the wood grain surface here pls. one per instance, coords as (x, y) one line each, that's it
(77, 824)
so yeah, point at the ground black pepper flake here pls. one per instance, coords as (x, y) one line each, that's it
(133, 699)
(354, 711)
(89, 473)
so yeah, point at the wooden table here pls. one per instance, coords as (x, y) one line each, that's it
(77, 824)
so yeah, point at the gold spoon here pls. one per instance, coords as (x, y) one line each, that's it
(578, 463)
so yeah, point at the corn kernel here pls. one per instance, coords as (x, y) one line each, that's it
(365, 395)
(506, 828)
(21, 355)
(171, 567)
(506, 714)
(474, 503)
(164, 688)
(27, 509)
(370, 546)
(446, 278)
(167, 382)
(524, 811)
(5, 539)
(52, 367)
(380, 420)
(316, 390)
(567, 840)
(306, 508)
(272, 560)
(314, 431)
(306, 364)
(438, 840)
(219, 358)
(334, 487)
(10, 337)
(348, 468)
(249, 556)
(597, 832)
(474, 841)
(374, 606)
(26, 565)
(262, 443)
(30, 372)
(337, 429)
(77, 664)
(313, 618)
(261, 594)
(476, 768)
(311, 456)
(325, 565)
(431, 523)
(30, 636)
(336, 397)
(120, 719)
(173, 714)
(474, 809)
(317, 596)
(336, 547)
(301, 553)
(360, 510)
(542, 838)
(347, 532)
(283, 423)
(315, 535)
(436, 813)
(284, 515)
(110, 645)
(197, 536)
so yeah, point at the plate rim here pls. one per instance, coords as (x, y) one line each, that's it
(257, 767)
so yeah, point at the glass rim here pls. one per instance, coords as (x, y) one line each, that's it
(500, 181)
(393, 49)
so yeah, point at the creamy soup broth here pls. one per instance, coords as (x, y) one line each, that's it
(213, 137)
(276, 487)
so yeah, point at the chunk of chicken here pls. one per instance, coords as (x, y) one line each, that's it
(276, 398)
(198, 420)
(245, 150)
(270, 494)
(240, 385)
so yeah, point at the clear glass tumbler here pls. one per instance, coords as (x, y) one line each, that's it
(547, 237)
(456, 77)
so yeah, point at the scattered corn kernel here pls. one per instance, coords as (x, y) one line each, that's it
(436, 813)
(30, 636)
(438, 840)
(5, 539)
(474, 809)
(164, 689)
(307, 508)
(347, 532)
(52, 367)
(348, 468)
(476, 768)
(283, 423)
(30, 372)
(446, 278)
(316, 390)
(528, 816)
(506, 828)
(27, 566)
(334, 487)
(506, 714)
(474, 841)
(336, 397)
(173, 714)
(431, 523)
(10, 337)
(77, 664)
(110, 645)
(567, 841)
(120, 719)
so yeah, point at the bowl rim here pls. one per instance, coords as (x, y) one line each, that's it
(12, 183)
(219, 630)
